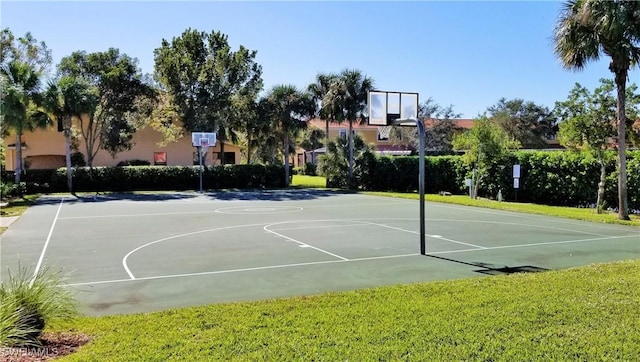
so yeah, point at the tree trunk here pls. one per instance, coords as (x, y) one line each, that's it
(351, 186)
(222, 161)
(67, 146)
(249, 134)
(621, 80)
(286, 161)
(603, 177)
(18, 169)
(326, 135)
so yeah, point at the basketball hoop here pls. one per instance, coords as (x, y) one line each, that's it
(204, 144)
(384, 132)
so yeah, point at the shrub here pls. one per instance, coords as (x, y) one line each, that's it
(133, 163)
(10, 189)
(310, 169)
(77, 159)
(29, 303)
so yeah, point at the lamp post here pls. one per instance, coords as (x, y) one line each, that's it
(405, 122)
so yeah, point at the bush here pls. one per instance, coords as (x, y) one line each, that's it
(28, 304)
(133, 163)
(310, 169)
(10, 189)
(77, 159)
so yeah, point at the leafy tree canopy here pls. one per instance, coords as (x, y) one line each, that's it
(203, 76)
(119, 85)
(523, 121)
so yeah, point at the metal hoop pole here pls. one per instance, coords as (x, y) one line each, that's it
(421, 174)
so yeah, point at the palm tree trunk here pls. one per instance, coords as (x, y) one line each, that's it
(326, 135)
(67, 146)
(18, 169)
(603, 177)
(286, 161)
(621, 80)
(350, 154)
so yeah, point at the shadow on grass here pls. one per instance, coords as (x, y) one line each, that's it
(492, 269)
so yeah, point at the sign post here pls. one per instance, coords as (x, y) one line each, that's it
(516, 179)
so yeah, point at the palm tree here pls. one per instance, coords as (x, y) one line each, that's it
(585, 30)
(347, 100)
(288, 108)
(19, 105)
(69, 98)
(318, 90)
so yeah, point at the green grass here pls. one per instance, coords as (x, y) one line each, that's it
(16, 207)
(566, 212)
(587, 313)
(309, 181)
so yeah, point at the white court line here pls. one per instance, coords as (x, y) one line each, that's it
(343, 261)
(124, 260)
(227, 271)
(265, 228)
(431, 236)
(46, 244)
(320, 227)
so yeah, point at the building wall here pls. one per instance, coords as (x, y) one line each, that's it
(46, 149)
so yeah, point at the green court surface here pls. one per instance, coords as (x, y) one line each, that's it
(127, 253)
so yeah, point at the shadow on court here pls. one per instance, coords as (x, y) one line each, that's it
(275, 195)
(226, 195)
(492, 269)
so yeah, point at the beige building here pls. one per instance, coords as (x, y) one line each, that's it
(45, 149)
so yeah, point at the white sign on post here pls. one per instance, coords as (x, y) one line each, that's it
(516, 171)
(516, 183)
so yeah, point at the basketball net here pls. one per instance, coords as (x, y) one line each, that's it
(204, 145)
(384, 131)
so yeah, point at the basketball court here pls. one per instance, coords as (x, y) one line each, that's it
(126, 253)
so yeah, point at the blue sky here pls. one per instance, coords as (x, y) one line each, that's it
(467, 54)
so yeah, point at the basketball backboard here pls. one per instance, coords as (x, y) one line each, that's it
(198, 137)
(385, 107)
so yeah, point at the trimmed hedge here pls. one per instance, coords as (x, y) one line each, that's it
(551, 178)
(155, 178)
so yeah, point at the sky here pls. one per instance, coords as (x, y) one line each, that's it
(467, 54)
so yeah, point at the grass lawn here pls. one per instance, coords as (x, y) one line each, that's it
(16, 207)
(588, 313)
(560, 211)
(309, 181)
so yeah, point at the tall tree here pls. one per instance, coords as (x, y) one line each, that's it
(346, 100)
(289, 109)
(585, 30)
(485, 144)
(260, 140)
(64, 100)
(203, 75)
(524, 121)
(319, 90)
(23, 63)
(119, 84)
